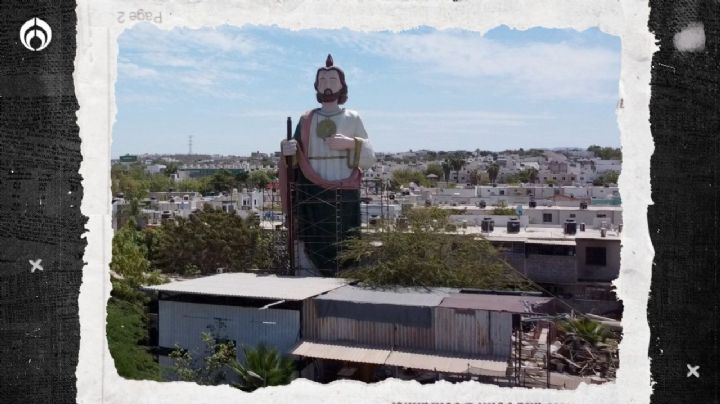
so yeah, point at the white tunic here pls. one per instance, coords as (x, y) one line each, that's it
(341, 163)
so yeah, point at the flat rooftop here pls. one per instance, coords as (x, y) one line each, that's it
(541, 235)
(424, 297)
(488, 209)
(241, 284)
(490, 302)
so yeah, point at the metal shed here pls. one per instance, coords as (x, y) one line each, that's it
(480, 324)
(241, 307)
(392, 318)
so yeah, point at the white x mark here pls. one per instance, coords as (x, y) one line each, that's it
(693, 371)
(36, 265)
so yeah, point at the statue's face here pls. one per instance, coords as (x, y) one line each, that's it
(329, 82)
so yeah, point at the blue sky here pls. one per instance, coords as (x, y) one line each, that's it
(232, 88)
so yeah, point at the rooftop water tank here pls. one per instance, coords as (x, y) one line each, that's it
(513, 226)
(487, 225)
(569, 227)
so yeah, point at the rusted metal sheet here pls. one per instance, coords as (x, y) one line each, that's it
(380, 334)
(501, 334)
(473, 332)
(502, 303)
(457, 331)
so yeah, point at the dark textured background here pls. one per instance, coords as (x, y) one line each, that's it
(40, 157)
(684, 112)
(40, 218)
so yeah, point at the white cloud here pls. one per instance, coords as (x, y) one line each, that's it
(540, 70)
(134, 71)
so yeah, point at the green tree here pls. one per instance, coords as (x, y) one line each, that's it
(405, 176)
(170, 168)
(493, 172)
(605, 153)
(263, 366)
(211, 239)
(609, 177)
(223, 181)
(127, 334)
(212, 368)
(426, 255)
(259, 179)
(129, 255)
(159, 183)
(446, 170)
(528, 175)
(476, 177)
(434, 168)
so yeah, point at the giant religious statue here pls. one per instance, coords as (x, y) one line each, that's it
(320, 174)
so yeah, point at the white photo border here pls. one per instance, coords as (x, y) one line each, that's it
(95, 75)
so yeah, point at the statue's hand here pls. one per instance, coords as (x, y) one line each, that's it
(288, 147)
(340, 142)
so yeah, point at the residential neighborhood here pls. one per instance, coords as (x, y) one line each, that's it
(552, 219)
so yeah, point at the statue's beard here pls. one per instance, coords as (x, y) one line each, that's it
(328, 96)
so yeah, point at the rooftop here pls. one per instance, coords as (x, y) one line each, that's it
(242, 284)
(489, 302)
(542, 235)
(488, 209)
(426, 297)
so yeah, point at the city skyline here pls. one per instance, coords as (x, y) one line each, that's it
(232, 88)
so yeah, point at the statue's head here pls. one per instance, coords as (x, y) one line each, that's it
(330, 83)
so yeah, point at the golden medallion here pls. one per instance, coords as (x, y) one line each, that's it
(326, 128)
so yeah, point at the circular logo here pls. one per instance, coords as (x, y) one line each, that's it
(326, 128)
(35, 34)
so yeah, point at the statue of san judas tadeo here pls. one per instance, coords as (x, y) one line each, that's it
(324, 160)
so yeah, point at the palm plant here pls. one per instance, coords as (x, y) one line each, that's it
(493, 172)
(584, 328)
(263, 366)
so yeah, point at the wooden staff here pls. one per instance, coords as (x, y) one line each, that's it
(290, 223)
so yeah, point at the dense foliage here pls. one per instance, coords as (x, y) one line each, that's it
(212, 368)
(127, 336)
(425, 255)
(609, 177)
(528, 175)
(605, 153)
(403, 177)
(263, 366)
(211, 239)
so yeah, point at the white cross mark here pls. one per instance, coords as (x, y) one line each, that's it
(36, 265)
(693, 371)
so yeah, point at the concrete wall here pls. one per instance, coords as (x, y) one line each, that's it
(551, 268)
(587, 216)
(608, 272)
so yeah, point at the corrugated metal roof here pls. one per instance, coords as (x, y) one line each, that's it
(348, 353)
(414, 360)
(506, 303)
(448, 364)
(252, 285)
(398, 296)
